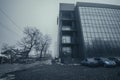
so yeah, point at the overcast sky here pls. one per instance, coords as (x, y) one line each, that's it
(37, 13)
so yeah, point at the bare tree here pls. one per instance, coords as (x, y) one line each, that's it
(43, 45)
(29, 41)
(47, 43)
(34, 39)
(9, 51)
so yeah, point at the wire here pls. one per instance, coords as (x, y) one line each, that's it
(8, 28)
(18, 28)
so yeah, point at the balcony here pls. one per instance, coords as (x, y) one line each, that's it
(63, 18)
(69, 44)
(70, 32)
(67, 41)
(68, 29)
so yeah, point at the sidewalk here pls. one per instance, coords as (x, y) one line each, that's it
(6, 68)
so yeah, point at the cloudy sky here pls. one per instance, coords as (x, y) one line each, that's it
(17, 14)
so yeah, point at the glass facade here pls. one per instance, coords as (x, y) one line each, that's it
(101, 31)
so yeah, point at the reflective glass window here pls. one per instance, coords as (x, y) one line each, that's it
(101, 29)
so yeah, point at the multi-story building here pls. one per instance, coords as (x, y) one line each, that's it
(88, 30)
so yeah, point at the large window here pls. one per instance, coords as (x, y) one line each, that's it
(101, 30)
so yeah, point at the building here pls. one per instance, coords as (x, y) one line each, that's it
(88, 30)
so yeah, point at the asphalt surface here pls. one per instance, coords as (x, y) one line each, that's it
(67, 72)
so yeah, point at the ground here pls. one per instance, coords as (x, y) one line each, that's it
(67, 72)
(6, 68)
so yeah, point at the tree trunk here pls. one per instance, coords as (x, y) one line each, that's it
(41, 53)
(43, 46)
(27, 52)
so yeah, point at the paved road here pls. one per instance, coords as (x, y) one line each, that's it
(67, 72)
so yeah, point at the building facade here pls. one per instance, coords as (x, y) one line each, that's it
(88, 30)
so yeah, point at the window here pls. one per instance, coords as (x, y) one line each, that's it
(67, 23)
(66, 28)
(67, 14)
(66, 50)
(66, 39)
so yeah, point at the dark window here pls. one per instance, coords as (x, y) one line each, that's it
(67, 14)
